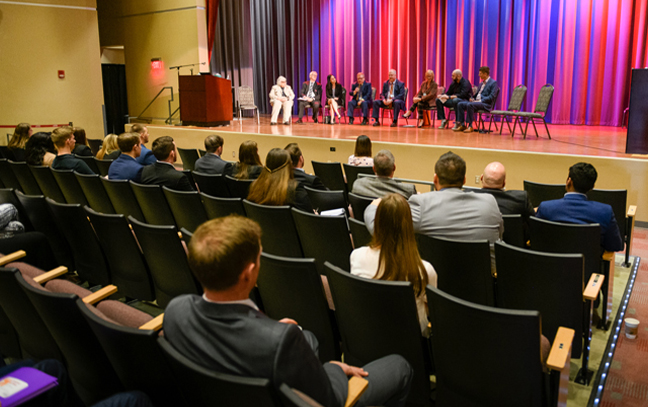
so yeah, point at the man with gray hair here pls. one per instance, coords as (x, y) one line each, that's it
(310, 96)
(458, 92)
(281, 96)
(393, 94)
(384, 166)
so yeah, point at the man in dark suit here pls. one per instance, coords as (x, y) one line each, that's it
(126, 166)
(393, 94)
(146, 157)
(163, 172)
(212, 163)
(576, 208)
(224, 331)
(485, 99)
(459, 91)
(305, 180)
(362, 97)
(310, 94)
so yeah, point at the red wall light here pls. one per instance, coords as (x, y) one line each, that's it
(156, 63)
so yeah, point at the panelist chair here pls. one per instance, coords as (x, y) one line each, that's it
(515, 105)
(539, 113)
(342, 106)
(246, 101)
(432, 108)
(391, 109)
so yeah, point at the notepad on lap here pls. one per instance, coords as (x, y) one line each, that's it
(24, 384)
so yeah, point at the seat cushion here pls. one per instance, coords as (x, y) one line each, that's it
(123, 314)
(529, 114)
(66, 287)
(26, 269)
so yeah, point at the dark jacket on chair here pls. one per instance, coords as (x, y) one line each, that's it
(165, 174)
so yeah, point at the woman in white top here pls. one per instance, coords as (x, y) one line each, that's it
(362, 155)
(393, 255)
(281, 97)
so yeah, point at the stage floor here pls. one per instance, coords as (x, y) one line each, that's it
(600, 141)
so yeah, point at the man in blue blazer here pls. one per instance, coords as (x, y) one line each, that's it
(146, 157)
(362, 97)
(126, 165)
(393, 94)
(576, 208)
(485, 99)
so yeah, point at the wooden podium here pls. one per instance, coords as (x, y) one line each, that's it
(205, 100)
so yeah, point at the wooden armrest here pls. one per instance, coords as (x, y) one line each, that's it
(632, 211)
(608, 256)
(560, 348)
(99, 295)
(51, 275)
(180, 235)
(9, 258)
(357, 386)
(155, 324)
(593, 287)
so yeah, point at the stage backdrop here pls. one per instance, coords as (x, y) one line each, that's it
(585, 48)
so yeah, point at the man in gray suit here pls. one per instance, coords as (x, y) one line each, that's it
(224, 331)
(448, 211)
(212, 163)
(384, 165)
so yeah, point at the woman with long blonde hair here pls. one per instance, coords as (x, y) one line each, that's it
(109, 148)
(393, 254)
(18, 140)
(277, 186)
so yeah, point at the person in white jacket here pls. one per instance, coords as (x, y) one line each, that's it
(281, 96)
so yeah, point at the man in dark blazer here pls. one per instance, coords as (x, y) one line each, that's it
(211, 162)
(126, 166)
(393, 94)
(223, 330)
(306, 180)
(362, 97)
(459, 91)
(485, 99)
(163, 172)
(576, 208)
(310, 94)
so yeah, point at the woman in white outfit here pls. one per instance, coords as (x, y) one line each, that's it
(281, 96)
(393, 255)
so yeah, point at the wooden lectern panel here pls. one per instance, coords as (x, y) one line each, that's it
(205, 100)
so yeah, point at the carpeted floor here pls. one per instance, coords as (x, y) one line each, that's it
(627, 382)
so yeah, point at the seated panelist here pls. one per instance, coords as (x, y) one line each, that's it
(393, 94)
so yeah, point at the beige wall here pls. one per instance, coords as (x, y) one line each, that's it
(35, 42)
(174, 30)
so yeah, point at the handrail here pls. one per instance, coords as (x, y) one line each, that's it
(169, 119)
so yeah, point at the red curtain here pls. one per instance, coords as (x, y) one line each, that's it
(212, 14)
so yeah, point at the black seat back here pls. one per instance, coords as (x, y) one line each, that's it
(7, 153)
(47, 183)
(330, 174)
(9, 344)
(89, 259)
(484, 356)
(28, 183)
(617, 199)
(279, 235)
(95, 146)
(524, 277)
(514, 230)
(463, 267)
(358, 205)
(539, 192)
(327, 200)
(238, 188)
(292, 288)
(90, 161)
(352, 171)
(186, 207)
(359, 232)
(206, 387)
(324, 238)
(7, 176)
(219, 207)
(122, 198)
(380, 318)
(153, 204)
(211, 184)
(129, 271)
(167, 261)
(69, 186)
(103, 165)
(188, 157)
(95, 192)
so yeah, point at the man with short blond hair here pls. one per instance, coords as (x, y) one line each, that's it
(126, 166)
(63, 139)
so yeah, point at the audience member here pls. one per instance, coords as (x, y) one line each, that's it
(40, 150)
(126, 166)
(63, 139)
(459, 91)
(393, 255)
(211, 162)
(425, 98)
(384, 165)
(224, 331)
(249, 165)
(163, 172)
(17, 142)
(484, 100)
(362, 156)
(277, 185)
(109, 148)
(146, 157)
(576, 208)
(281, 97)
(9, 219)
(304, 179)
(362, 97)
(334, 97)
(310, 95)
(393, 94)
(81, 147)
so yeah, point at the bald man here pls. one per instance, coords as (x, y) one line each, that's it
(459, 91)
